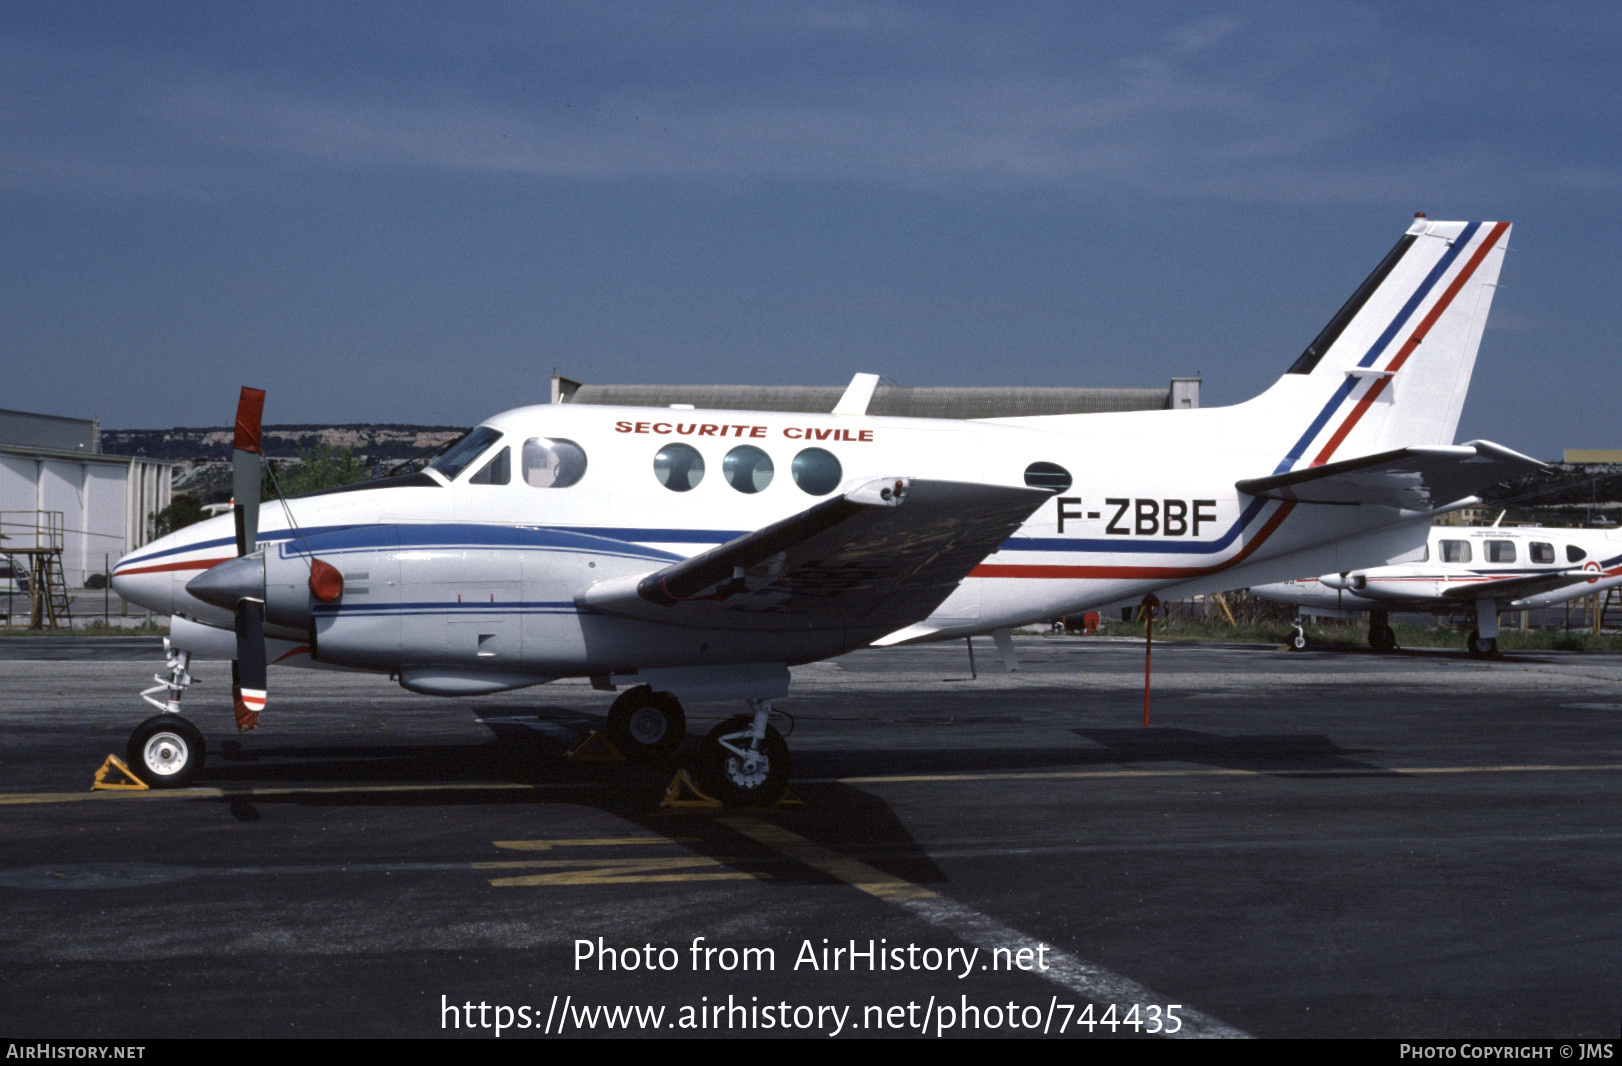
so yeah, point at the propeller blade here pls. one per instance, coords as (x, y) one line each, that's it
(246, 454)
(248, 669)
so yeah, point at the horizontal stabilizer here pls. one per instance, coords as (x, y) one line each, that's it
(883, 555)
(1420, 479)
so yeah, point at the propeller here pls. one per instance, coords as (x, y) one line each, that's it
(248, 668)
(239, 585)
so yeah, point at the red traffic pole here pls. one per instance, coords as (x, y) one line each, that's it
(1149, 605)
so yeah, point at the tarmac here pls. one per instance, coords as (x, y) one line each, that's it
(1324, 844)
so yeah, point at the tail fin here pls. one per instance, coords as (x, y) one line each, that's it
(1391, 369)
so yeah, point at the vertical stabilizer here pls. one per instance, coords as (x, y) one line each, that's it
(1391, 369)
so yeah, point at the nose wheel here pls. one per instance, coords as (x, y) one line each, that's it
(166, 751)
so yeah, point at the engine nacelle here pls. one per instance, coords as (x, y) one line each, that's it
(1356, 581)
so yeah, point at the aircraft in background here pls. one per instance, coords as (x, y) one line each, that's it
(699, 554)
(1483, 569)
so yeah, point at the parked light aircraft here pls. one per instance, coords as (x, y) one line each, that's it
(699, 554)
(1485, 570)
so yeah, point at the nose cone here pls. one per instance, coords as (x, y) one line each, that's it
(231, 582)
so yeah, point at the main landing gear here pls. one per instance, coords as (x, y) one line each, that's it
(743, 762)
(1483, 639)
(1381, 636)
(646, 725)
(167, 751)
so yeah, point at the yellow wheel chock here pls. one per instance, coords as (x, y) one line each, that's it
(131, 784)
(684, 792)
(595, 748)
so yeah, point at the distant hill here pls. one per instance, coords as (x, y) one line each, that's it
(387, 441)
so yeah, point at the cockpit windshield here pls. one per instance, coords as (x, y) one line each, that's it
(471, 445)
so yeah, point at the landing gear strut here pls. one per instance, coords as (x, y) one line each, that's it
(166, 750)
(1298, 639)
(646, 725)
(744, 760)
(1483, 639)
(1381, 636)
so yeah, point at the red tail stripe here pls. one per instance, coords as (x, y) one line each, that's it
(1413, 342)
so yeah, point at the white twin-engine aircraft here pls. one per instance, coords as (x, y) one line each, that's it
(699, 554)
(1485, 570)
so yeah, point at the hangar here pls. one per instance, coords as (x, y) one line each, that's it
(62, 500)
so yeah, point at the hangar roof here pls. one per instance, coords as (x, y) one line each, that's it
(897, 400)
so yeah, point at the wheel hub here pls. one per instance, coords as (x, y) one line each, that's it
(647, 725)
(750, 772)
(165, 753)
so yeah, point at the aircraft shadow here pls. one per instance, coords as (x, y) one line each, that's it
(835, 816)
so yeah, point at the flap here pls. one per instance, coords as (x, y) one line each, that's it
(1420, 479)
(884, 555)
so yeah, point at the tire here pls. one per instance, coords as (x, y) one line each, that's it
(646, 725)
(725, 776)
(1383, 638)
(1481, 647)
(1298, 642)
(166, 751)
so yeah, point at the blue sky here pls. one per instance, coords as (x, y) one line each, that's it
(414, 212)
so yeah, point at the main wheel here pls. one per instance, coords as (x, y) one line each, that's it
(1382, 638)
(646, 725)
(757, 779)
(166, 751)
(1481, 647)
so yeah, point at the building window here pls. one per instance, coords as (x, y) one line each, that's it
(816, 471)
(1455, 551)
(553, 462)
(1500, 551)
(1050, 476)
(678, 467)
(747, 468)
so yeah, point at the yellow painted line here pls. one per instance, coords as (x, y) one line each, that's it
(615, 872)
(11, 799)
(588, 842)
(857, 874)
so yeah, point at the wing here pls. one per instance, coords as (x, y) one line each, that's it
(884, 555)
(1507, 589)
(1419, 479)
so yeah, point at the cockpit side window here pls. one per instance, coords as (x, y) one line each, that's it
(457, 457)
(497, 471)
(553, 462)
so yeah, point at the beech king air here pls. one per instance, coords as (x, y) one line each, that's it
(699, 554)
(1486, 570)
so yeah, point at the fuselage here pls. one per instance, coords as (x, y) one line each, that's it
(523, 524)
